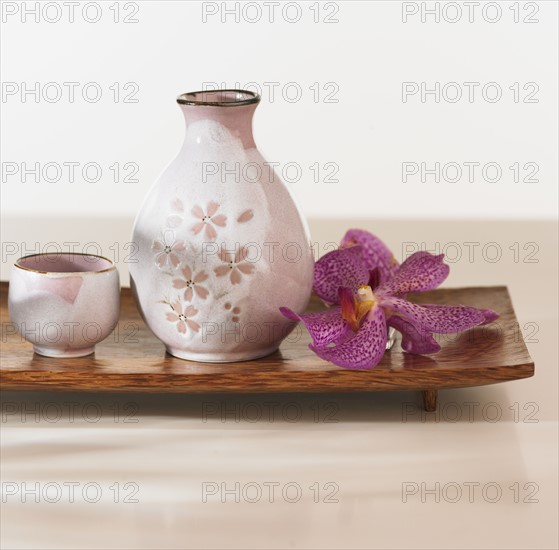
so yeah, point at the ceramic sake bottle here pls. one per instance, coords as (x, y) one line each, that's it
(221, 244)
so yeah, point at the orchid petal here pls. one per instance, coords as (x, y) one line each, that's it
(420, 272)
(438, 318)
(343, 267)
(347, 302)
(324, 326)
(490, 316)
(414, 340)
(362, 351)
(375, 278)
(374, 252)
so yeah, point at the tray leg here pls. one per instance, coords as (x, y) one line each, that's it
(429, 400)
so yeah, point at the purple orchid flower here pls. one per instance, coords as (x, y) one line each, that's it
(368, 289)
(374, 252)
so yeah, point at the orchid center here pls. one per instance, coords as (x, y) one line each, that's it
(365, 295)
(354, 309)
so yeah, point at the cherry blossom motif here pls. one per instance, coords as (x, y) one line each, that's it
(167, 250)
(208, 220)
(236, 311)
(182, 318)
(174, 220)
(235, 264)
(191, 283)
(246, 216)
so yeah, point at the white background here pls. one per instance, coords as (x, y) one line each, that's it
(367, 134)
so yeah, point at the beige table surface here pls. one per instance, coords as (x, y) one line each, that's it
(351, 473)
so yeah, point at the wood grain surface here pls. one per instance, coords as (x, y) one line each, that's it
(133, 360)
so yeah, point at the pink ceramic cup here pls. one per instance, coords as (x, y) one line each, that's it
(64, 303)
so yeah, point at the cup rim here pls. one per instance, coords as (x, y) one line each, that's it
(182, 99)
(65, 273)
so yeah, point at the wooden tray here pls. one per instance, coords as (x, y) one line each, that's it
(133, 360)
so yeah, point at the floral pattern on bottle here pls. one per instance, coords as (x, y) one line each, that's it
(182, 317)
(191, 283)
(167, 250)
(234, 264)
(208, 220)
